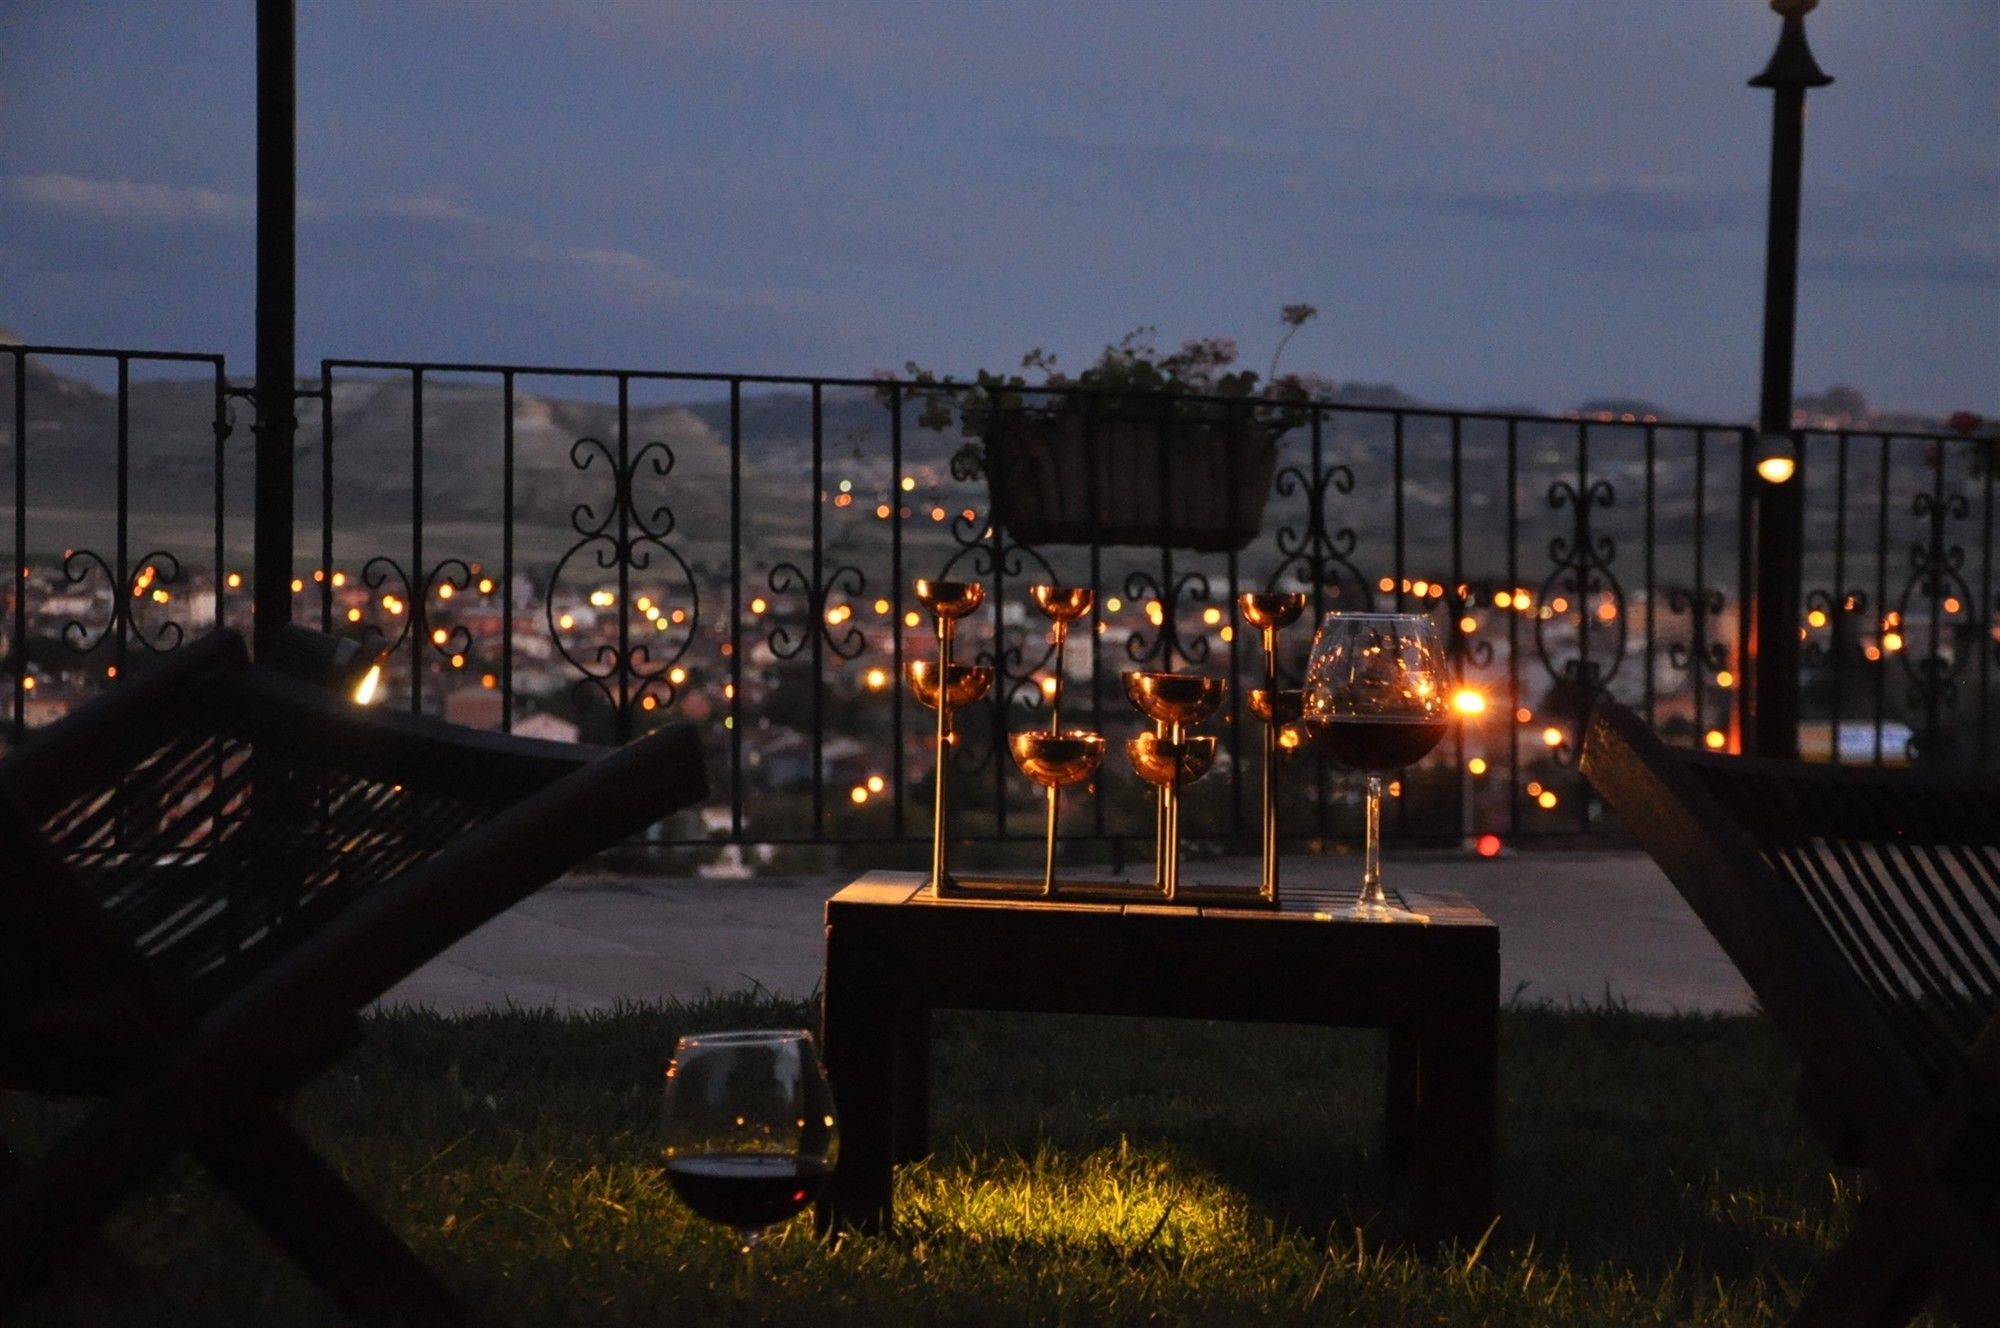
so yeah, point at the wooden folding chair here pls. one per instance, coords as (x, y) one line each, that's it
(1863, 908)
(205, 876)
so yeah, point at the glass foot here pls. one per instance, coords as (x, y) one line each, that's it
(1386, 912)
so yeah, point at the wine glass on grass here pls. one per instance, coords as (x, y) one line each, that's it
(1375, 701)
(750, 1129)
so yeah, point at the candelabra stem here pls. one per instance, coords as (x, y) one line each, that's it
(1049, 850)
(1172, 798)
(1270, 886)
(941, 778)
(1055, 697)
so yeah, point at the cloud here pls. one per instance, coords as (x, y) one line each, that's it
(130, 200)
(428, 207)
(1940, 264)
(1640, 205)
(610, 258)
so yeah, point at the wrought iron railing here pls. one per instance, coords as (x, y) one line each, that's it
(594, 551)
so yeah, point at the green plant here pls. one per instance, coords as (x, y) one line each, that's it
(1129, 380)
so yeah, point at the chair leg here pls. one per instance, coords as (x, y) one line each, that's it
(52, 1209)
(1877, 1279)
(99, 1264)
(312, 1215)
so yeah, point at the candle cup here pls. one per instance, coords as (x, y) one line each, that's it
(1270, 612)
(1055, 760)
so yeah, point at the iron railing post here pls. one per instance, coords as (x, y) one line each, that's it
(1780, 508)
(277, 308)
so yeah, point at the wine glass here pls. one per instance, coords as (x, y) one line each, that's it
(1374, 703)
(749, 1128)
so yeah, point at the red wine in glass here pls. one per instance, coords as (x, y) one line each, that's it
(748, 1191)
(1375, 746)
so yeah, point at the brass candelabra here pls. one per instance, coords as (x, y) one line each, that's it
(1168, 757)
(946, 687)
(1270, 612)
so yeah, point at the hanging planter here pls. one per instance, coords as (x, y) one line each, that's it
(1180, 483)
(1173, 451)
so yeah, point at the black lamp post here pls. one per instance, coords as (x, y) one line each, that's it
(1773, 726)
(277, 371)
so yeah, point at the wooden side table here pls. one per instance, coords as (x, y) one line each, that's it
(893, 955)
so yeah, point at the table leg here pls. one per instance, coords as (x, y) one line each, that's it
(857, 1036)
(911, 1084)
(1405, 1087)
(1453, 1148)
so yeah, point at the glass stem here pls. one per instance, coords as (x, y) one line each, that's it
(746, 1263)
(1371, 860)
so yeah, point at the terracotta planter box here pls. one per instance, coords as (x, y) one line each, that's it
(1189, 485)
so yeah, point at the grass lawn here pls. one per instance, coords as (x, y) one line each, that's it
(1089, 1171)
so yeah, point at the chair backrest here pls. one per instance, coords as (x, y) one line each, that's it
(1862, 906)
(217, 812)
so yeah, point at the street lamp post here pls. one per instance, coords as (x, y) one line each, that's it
(1773, 700)
(277, 306)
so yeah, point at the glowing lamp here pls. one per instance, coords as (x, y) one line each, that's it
(1774, 457)
(1467, 701)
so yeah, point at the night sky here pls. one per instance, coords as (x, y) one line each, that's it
(1492, 202)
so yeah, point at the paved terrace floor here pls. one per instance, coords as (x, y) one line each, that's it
(1574, 927)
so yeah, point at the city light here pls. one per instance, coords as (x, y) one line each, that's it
(298, 586)
(486, 585)
(1468, 624)
(1892, 641)
(1503, 600)
(444, 590)
(1716, 739)
(354, 615)
(1487, 846)
(566, 622)
(1552, 736)
(440, 636)
(677, 675)
(1817, 618)
(1386, 584)
(1548, 800)
(882, 607)
(1476, 766)
(645, 605)
(912, 618)
(877, 679)
(758, 604)
(602, 599)
(1725, 679)
(858, 794)
(876, 783)
(1113, 604)
(1524, 716)
(340, 578)
(649, 702)
(909, 483)
(235, 579)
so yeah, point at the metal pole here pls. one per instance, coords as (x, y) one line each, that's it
(1780, 508)
(277, 311)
